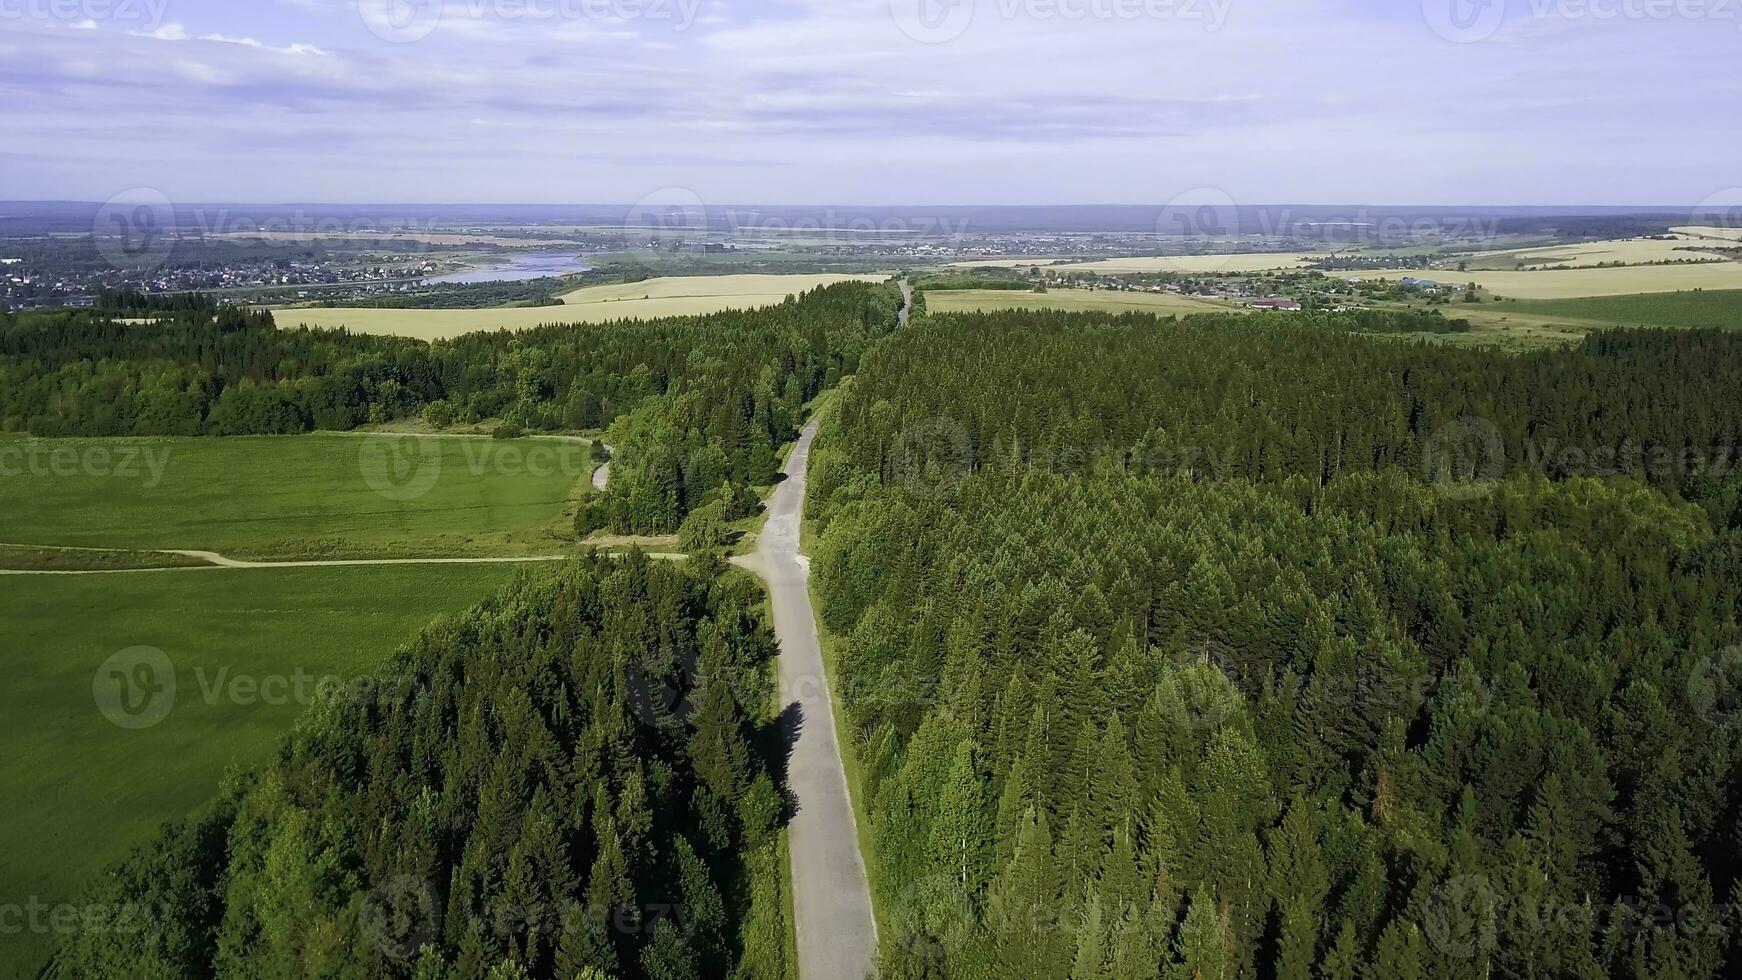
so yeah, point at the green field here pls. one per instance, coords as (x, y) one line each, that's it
(1720, 309)
(321, 495)
(80, 789)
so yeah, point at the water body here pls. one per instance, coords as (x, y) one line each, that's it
(526, 265)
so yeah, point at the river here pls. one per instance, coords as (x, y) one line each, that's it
(524, 265)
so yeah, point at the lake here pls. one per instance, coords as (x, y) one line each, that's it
(528, 265)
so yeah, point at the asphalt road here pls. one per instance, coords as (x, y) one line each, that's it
(837, 934)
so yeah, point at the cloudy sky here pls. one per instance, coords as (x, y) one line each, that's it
(873, 101)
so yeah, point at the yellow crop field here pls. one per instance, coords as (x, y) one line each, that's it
(1707, 231)
(1001, 263)
(1198, 264)
(1232, 262)
(1076, 300)
(1584, 255)
(1587, 282)
(673, 296)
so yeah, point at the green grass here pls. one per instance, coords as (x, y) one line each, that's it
(34, 558)
(80, 790)
(313, 496)
(1720, 308)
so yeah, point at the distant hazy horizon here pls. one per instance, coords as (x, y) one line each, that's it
(1545, 210)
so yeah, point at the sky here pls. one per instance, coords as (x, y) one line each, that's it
(1518, 102)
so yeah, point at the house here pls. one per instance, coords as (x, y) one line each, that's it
(1275, 304)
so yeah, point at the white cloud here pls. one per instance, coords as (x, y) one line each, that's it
(822, 94)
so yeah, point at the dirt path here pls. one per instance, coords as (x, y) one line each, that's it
(214, 560)
(602, 475)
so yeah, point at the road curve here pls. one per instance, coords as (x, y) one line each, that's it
(602, 475)
(831, 898)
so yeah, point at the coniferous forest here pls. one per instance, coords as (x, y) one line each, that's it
(1222, 648)
(1219, 647)
(574, 779)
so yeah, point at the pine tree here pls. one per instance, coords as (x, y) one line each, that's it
(961, 842)
(1296, 950)
(1344, 958)
(1201, 952)
(1091, 954)
(1021, 902)
(583, 944)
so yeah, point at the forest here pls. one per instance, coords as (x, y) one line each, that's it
(698, 401)
(579, 778)
(1189, 649)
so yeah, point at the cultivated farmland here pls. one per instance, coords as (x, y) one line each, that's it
(649, 299)
(1231, 262)
(1716, 309)
(1586, 255)
(1708, 231)
(1587, 282)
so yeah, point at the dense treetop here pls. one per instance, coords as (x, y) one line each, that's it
(1302, 713)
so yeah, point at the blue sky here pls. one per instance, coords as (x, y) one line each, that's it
(873, 101)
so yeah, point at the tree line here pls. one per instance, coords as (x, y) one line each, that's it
(1312, 710)
(1268, 397)
(701, 399)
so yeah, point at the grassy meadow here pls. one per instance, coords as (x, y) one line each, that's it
(81, 789)
(648, 299)
(324, 495)
(1720, 309)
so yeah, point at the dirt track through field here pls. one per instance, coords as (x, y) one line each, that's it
(214, 560)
